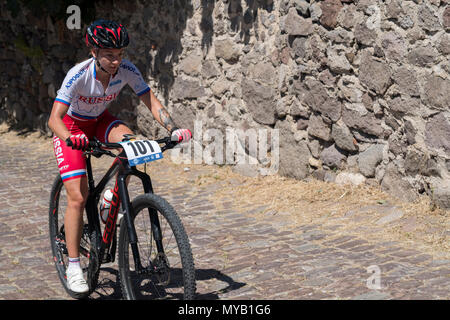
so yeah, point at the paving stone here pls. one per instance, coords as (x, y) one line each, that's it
(352, 244)
(440, 262)
(373, 295)
(240, 251)
(5, 289)
(339, 240)
(316, 282)
(405, 253)
(305, 247)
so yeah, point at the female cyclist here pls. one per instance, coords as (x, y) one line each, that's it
(80, 112)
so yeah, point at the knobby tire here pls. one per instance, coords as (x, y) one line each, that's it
(136, 286)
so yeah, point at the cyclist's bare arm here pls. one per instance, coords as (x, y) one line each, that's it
(55, 122)
(159, 113)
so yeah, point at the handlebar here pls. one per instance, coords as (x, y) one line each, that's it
(95, 146)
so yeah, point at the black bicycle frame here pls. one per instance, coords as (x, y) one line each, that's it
(120, 197)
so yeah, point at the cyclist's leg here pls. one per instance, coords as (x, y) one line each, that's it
(77, 192)
(116, 135)
(73, 174)
(72, 167)
(117, 132)
(111, 129)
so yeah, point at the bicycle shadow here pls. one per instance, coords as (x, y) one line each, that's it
(208, 274)
(108, 287)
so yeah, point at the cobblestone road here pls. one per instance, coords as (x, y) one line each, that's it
(240, 253)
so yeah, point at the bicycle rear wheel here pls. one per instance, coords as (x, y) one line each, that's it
(170, 274)
(88, 245)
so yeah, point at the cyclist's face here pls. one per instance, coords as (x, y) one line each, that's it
(110, 58)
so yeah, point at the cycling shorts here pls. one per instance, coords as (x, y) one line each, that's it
(72, 163)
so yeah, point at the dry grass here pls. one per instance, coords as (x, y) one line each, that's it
(303, 202)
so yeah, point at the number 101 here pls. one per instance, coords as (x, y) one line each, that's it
(139, 147)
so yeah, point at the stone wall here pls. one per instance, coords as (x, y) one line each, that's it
(359, 89)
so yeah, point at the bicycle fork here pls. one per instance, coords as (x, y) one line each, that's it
(156, 227)
(128, 214)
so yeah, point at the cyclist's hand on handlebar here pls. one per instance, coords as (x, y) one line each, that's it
(181, 135)
(78, 142)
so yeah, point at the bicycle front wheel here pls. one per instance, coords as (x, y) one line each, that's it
(168, 264)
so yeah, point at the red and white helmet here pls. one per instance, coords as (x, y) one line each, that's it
(107, 34)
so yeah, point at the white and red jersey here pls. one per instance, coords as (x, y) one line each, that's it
(85, 95)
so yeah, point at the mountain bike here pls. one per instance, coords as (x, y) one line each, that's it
(154, 255)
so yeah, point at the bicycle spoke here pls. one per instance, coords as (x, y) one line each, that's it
(163, 276)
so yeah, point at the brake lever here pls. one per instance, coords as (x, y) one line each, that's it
(95, 149)
(169, 145)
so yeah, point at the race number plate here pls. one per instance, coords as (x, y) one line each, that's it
(141, 151)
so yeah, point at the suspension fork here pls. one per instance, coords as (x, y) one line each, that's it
(154, 221)
(129, 213)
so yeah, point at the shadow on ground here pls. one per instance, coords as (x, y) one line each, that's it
(109, 286)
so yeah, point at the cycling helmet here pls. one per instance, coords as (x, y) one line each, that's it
(106, 34)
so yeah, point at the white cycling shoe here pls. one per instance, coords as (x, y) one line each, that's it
(75, 280)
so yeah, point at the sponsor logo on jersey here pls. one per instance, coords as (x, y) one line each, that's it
(129, 68)
(75, 77)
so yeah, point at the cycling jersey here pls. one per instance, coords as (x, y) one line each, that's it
(86, 96)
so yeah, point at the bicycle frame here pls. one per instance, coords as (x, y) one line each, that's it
(120, 197)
